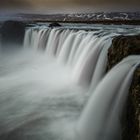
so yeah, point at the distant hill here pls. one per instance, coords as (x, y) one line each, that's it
(100, 17)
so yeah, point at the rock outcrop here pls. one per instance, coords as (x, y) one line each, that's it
(54, 24)
(12, 34)
(122, 46)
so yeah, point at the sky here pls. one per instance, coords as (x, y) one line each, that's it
(71, 4)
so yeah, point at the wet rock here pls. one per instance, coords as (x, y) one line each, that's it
(122, 46)
(12, 34)
(54, 24)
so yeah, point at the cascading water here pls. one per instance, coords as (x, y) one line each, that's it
(55, 88)
(77, 49)
(101, 118)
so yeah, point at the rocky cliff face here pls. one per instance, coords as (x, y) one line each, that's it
(12, 34)
(123, 46)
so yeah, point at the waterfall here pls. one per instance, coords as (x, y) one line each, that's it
(56, 87)
(78, 49)
(101, 118)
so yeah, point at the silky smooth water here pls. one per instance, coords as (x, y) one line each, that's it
(56, 87)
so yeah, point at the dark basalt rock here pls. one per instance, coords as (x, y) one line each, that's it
(12, 34)
(54, 24)
(122, 46)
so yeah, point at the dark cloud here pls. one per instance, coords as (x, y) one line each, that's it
(14, 3)
(108, 1)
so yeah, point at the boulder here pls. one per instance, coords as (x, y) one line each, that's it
(122, 46)
(54, 24)
(12, 34)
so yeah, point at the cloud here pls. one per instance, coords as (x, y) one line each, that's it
(14, 3)
(43, 3)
